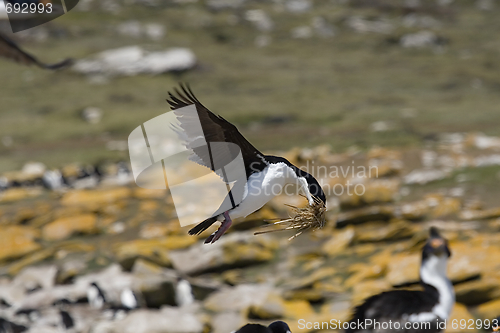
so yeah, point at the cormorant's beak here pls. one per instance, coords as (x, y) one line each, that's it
(439, 246)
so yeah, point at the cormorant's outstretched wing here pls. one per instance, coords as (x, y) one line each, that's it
(208, 147)
(215, 129)
(10, 50)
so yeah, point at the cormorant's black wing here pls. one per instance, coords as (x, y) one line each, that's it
(395, 305)
(10, 50)
(254, 328)
(215, 129)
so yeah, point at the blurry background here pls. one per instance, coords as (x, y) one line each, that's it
(411, 87)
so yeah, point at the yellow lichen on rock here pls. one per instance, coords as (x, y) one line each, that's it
(95, 197)
(67, 226)
(17, 241)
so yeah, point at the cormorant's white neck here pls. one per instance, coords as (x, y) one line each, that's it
(433, 273)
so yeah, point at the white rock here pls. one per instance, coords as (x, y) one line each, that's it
(166, 320)
(487, 160)
(302, 32)
(33, 169)
(381, 126)
(92, 115)
(420, 21)
(482, 141)
(418, 40)
(34, 277)
(130, 28)
(136, 29)
(424, 176)
(298, 6)
(133, 60)
(225, 322)
(428, 158)
(259, 19)
(239, 298)
(154, 31)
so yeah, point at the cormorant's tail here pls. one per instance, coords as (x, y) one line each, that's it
(202, 226)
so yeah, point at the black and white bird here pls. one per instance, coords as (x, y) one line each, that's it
(183, 293)
(266, 175)
(10, 50)
(67, 321)
(95, 296)
(275, 327)
(412, 310)
(10, 327)
(128, 299)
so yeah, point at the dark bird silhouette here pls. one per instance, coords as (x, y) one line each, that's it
(275, 327)
(10, 50)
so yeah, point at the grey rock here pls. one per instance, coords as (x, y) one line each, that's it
(419, 39)
(92, 115)
(239, 298)
(201, 258)
(46, 297)
(361, 25)
(259, 19)
(424, 176)
(322, 27)
(165, 320)
(36, 277)
(217, 5)
(133, 60)
(136, 29)
(228, 322)
(130, 29)
(298, 6)
(302, 32)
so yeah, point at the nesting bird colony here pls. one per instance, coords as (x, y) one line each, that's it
(68, 228)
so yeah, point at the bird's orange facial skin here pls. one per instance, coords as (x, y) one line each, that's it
(435, 243)
(45, 2)
(496, 329)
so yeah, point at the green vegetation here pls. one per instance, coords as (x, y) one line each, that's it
(333, 88)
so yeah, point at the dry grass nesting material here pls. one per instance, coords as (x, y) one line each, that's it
(310, 217)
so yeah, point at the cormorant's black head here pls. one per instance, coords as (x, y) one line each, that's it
(436, 245)
(279, 327)
(315, 188)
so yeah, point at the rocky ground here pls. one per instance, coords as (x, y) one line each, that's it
(64, 229)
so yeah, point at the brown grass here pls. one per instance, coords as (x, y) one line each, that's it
(311, 217)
